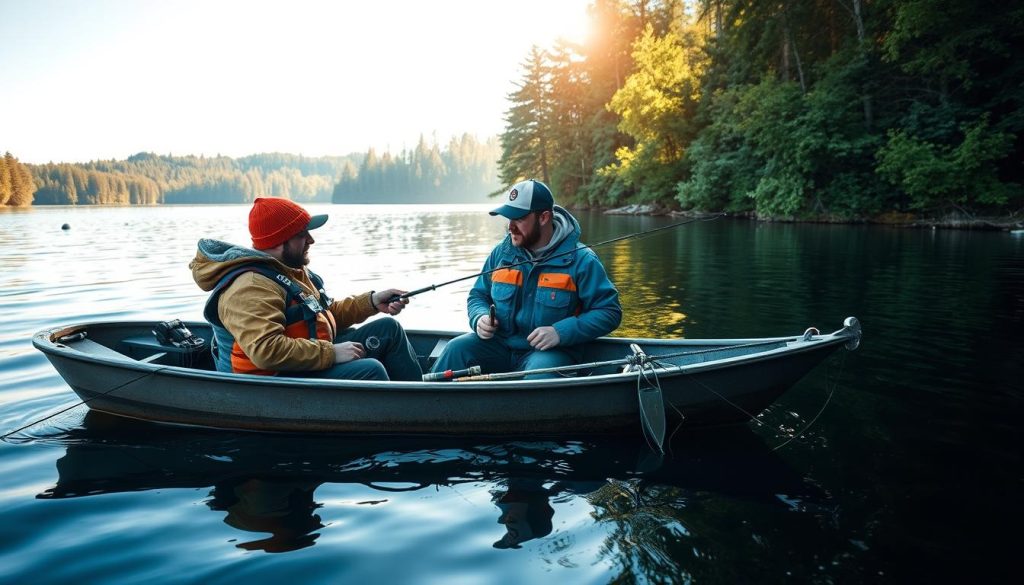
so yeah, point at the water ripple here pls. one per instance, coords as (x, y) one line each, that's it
(925, 413)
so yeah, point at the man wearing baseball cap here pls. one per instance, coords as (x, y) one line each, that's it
(553, 296)
(271, 314)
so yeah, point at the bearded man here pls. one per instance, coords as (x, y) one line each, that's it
(553, 296)
(271, 315)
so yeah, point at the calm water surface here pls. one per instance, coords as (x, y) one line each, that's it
(911, 473)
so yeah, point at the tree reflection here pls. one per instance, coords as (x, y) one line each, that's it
(659, 519)
(646, 521)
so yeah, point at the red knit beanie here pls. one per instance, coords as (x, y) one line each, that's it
(272, 221)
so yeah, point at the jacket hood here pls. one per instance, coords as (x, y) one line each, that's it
(565, 237)
(215, 258)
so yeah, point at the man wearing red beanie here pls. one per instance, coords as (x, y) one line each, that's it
(271, 315)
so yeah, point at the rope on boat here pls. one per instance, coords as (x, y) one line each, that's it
(80, 403)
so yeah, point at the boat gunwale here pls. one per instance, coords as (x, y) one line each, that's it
(44, 342)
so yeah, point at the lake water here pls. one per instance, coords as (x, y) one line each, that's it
(911, 473)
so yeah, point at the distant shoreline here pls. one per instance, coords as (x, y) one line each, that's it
(953, 221)
(957, 221)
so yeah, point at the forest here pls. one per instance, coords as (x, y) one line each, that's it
(801, 109)
(464, 171)
(149, 179)
(814, 109)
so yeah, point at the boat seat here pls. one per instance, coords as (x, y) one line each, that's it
(436, 352)
(146, 348)
(92, 348)
(154, 357)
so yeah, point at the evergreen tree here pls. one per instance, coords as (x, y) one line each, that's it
(527, 138)
(6, 181)
(17, 187)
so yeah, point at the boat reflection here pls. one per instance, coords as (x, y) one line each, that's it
(266, 483)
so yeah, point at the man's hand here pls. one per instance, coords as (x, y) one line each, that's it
(348, 351)
(544, 338)
(380, 298)
(485, 327)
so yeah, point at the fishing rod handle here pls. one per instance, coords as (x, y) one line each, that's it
(411, 293)
(449, 374)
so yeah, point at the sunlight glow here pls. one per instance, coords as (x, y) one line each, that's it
(110, 78)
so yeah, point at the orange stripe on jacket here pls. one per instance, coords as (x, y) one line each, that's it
(556, 280)
(241, 364)
(507, 276)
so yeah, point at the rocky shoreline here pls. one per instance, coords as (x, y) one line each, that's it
(959, 221)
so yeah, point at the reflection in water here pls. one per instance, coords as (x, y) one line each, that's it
(928, 413)
(267, 484)
(525, 506)
(283, 508)
(525, 512)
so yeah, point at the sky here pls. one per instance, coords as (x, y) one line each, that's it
(104, 79)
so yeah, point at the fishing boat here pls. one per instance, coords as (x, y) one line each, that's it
(131, 370)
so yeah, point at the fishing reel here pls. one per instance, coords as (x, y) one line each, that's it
(175, 333)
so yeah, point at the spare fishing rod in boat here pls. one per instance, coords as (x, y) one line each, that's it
(450, 374)
(657, 360)
(636, 235)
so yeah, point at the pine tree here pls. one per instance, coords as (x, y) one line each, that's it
(17, 187)
(6, 184)
(526, 140)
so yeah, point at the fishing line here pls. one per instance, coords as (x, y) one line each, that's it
(636, 235)
(80, 403)
(712, 390)
(827, 400)
(679, 425)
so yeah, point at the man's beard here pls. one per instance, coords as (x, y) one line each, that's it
(531, 236)
(294, 256)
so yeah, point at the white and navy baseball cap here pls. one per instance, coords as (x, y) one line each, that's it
(525, 197)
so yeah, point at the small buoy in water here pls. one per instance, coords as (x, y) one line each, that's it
(66, 226)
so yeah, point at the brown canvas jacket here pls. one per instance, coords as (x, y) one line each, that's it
(252, 308)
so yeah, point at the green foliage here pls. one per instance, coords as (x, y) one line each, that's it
(936, 175)
(526, 140)
(657, 105)
(558, 126)
(724, 167)
(790, 153)
(785, 109)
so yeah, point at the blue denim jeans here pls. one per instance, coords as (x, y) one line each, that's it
(389, 355)
(493, 356)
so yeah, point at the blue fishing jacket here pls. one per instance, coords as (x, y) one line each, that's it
(570, 292)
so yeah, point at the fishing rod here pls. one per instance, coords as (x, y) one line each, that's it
(636, 235)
